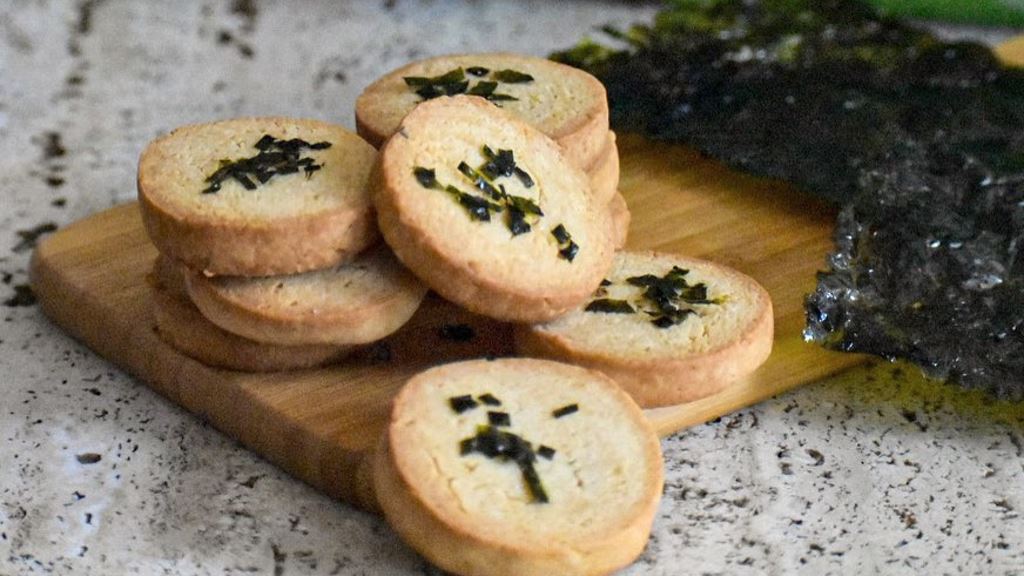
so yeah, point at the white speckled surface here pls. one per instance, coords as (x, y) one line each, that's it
(867, 473)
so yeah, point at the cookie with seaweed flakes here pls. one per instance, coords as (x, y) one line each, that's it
(179, 324)
(258, 196)
(621, 218)
(668, 329)
(519, 467)
(487, 212)
(354, 303)
(604, 175)
(567, 104)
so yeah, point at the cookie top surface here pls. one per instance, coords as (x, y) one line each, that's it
(174, 171)
(718, 306)
(558, 99)
(603, 475)
(423, 192)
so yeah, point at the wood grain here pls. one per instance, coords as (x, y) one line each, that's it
(320, 424)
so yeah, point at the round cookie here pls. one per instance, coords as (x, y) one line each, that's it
(354, 303)
(519, 467)
(621, 217)
(258, 196)
(566, 103)
(604, 175)
(180, 325)
(481, 248)
(668, 329)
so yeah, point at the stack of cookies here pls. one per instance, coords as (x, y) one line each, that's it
(286, 243)
(269, 253)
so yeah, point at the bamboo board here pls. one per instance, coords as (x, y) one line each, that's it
(319, 424)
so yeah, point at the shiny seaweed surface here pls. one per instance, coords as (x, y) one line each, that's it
(920, 141)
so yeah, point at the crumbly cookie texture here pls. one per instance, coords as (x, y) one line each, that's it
(279, 215)
(657, 360)
(597, 460)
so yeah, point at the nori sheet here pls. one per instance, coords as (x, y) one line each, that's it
(920, 141)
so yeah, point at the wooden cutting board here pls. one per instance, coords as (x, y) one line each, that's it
(320, 424)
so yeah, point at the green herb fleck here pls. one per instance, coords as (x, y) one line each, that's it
(461, 404)
(275, 158)
(546, 452)
(499, 419)
(483, 88)
(669, 298)
(455, 82)
(512, 77)
(489, 399)
(567, 249)
(505, 446)
(450, 77)
(566, 410)
(425, 176)
(479, 208)
(610, 306)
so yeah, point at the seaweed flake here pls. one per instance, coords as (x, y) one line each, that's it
(462, 404)
(567, 249)
(565, 410)
(499, 419)
(489, 399)
(610, 306)
(512, 77)
(275, 158)
(506, 446)
(455, 82)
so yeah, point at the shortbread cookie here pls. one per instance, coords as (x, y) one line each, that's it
(485, 210)
(563, 102)
(258, 196)
(519, 467)
(604, 175)
(621, 217)
(181, 326)
(668, 329)
(354, 303)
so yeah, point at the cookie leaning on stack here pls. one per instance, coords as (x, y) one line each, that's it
(519, 467)
(180, 324)
(487, 212)
(354, 303)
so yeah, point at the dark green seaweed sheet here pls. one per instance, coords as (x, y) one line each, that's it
(920, 141)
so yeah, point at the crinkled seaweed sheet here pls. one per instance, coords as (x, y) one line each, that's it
(921, 142)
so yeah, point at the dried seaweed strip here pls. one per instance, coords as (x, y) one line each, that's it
(921, 141)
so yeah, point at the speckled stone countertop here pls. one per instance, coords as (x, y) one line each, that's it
(876, 471)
